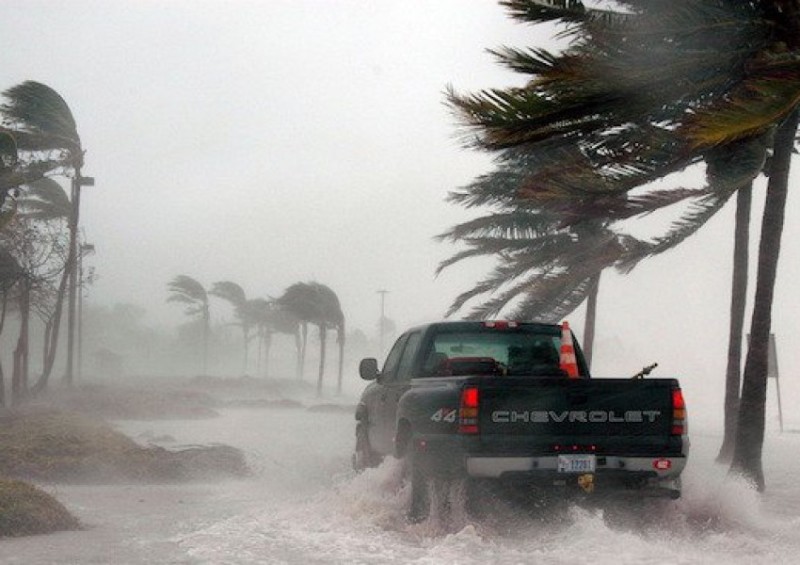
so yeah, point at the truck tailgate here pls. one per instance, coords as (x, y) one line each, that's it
(603, 415)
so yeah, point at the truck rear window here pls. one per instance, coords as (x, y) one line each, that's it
(502, 353)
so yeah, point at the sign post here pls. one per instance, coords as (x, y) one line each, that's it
(772, 372)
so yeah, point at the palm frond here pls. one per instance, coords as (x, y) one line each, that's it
(753, 107)
(44, 199)
(229, 291)
(184, 287)
(37, 109)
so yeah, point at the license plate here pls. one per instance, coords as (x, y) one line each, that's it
(577, 463)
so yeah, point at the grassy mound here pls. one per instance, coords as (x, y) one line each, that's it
(47, 445)
(26, 510)
(149, 401)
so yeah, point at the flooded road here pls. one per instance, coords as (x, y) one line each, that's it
(303, 504)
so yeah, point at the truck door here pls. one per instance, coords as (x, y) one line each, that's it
(375, 399)
(397, 384)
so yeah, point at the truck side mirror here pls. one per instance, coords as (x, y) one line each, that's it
(368, 369)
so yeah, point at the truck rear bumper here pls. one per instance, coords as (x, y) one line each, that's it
(496, 467)
(656, 475)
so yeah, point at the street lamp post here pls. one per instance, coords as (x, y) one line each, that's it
(382, 324)
(85, 249)
(77, 182)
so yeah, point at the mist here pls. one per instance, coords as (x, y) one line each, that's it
(269, 143)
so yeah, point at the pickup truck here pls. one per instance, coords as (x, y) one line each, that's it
(493, 401)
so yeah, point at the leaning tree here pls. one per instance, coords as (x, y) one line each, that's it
(43, 129)
(315, 303)
(188, 291)
(652, 89)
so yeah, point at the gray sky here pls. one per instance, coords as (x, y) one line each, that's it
(280, 141)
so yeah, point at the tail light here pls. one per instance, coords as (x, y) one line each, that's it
(678, 413)
(468, 411)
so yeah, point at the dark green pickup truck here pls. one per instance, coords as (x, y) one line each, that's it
(492, 401)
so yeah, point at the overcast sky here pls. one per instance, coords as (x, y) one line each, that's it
(280, 141)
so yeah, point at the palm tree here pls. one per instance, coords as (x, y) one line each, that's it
(41, 122)
(548, 260)
(315, 303)
(188, 291)
(10, 273)
(653, 90)
(281, 320)
(42, 211)
(244, 310)
(332, 317)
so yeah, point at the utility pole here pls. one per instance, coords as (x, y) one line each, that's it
(382, 324)
(85, 249)
(77, 182)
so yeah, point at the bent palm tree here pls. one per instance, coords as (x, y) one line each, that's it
(315, 303)
(244, 310)
(43, 124)
(281, 320)
(186, 290)
(42, 202)
(651, 91)
(550, 256)
(38, 135)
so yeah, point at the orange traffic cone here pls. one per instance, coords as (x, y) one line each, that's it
(568, 361)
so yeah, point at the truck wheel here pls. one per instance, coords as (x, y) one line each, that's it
(419, 509)
(363, 456)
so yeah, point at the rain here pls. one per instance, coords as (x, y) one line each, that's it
(234, 153)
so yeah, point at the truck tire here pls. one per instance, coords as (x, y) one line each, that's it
(430, 491)
(364, 457)
(418, 483)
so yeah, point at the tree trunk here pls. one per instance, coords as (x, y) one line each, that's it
(2, 386)
(591, 317)
(341, 338)
(267, 348)
(41, 384)
(246, 332)
(750, 429)
(298, 345)
(259, 347)
(323, 334)
(206, 332)
(733, 373)
(303, 350)
(3, 311)
(19, 379)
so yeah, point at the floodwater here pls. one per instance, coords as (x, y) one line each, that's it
(304, 505)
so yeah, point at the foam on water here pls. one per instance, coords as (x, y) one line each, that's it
(362, 519)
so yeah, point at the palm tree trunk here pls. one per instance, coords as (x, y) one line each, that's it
(52, 341)
(733, 373)
(259, 347)
(303, 350)
(206, 332)
(19, 379)
(340, 339)
(267, 348)
(750, 429)
(323, 332)
(298, 345)
(246, 332)
(591, 320)
(3, 311)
